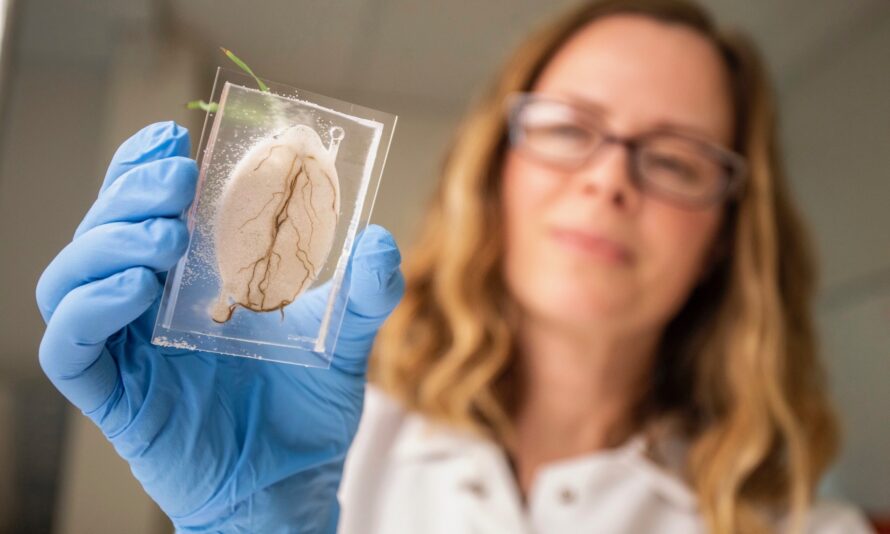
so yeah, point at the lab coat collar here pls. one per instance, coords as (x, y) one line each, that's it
(421, 440)
(424, 440)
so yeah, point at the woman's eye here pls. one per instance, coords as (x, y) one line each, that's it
(558, 137)
(568, 131)
(675, 166)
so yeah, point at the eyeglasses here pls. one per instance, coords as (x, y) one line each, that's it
(677, 167)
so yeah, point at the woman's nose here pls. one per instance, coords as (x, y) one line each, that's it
(608, 174)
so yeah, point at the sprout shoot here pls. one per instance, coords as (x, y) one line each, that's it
(213, 106)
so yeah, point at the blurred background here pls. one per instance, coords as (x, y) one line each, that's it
(77, 77)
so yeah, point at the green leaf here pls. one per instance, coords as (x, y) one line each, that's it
(200, 104)
(263, 87)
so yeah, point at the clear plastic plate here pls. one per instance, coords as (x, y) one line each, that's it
(287, 181)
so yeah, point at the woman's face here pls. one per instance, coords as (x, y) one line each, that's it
(641, 72)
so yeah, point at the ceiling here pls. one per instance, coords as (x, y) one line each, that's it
(439, 52)
(431, 53)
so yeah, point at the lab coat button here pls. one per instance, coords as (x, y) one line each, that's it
(567, 496)
(475, 487)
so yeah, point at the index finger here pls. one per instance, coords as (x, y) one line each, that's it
(155, 141)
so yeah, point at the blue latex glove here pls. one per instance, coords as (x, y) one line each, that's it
(220, 443)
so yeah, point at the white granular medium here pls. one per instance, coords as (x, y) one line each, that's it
(276, 221)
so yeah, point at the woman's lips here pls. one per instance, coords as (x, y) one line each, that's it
(593, 244)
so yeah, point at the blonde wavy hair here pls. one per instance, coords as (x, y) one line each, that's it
(737, 367)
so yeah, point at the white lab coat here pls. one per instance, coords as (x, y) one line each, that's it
(405, 475)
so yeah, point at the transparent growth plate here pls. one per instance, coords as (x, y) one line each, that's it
(287, 181)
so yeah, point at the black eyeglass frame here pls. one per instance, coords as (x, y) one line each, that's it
(735, 165)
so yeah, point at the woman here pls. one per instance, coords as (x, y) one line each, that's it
(569, 293)
(605, 327)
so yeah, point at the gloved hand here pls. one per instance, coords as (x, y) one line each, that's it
(221, 443)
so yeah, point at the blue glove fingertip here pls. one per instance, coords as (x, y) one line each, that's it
(377, 257)
(166, 239)
(155, 141)
(168, 139)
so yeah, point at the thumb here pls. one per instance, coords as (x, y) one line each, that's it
(376, 285)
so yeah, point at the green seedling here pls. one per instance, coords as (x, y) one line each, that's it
(211, 107)
(245, 68)
(200, 104)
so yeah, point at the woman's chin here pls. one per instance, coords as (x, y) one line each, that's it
(579, 308)
(576, 298)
